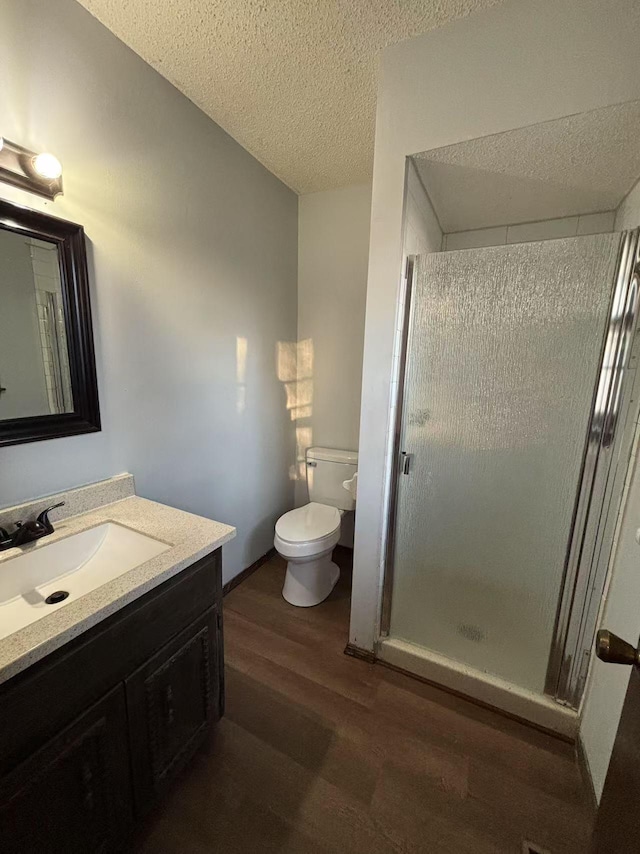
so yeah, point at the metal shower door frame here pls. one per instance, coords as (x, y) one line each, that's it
(392, 508)
(605, 463)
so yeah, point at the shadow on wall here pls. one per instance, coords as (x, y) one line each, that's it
(295, 371)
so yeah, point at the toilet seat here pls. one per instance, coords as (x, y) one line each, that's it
(311, 522)
(309, 530)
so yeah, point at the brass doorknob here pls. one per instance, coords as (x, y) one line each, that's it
(614, 650)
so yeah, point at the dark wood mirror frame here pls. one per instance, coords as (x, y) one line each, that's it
(72, 258)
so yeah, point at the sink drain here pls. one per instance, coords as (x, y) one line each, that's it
(58, 596)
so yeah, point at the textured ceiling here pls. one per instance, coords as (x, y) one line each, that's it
(294, 81)
(580, 164)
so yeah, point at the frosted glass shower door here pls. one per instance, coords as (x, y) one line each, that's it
(503, 356)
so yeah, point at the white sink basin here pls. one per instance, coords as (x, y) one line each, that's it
(76, 565)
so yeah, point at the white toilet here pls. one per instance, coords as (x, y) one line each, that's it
(307, 536)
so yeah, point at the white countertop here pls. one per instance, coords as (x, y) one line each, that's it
(190, 537)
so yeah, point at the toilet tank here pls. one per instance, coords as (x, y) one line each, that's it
(327, 470)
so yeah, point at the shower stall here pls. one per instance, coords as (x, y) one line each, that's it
(515, 383)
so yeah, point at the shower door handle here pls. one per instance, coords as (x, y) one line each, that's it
(405, 462)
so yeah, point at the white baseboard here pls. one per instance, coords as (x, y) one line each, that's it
(490, 690)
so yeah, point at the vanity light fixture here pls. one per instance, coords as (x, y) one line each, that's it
(36, 173)
(47, 166)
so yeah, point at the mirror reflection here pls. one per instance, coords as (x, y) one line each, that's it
(34, 357)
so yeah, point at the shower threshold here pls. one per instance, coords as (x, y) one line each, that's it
(503, 696)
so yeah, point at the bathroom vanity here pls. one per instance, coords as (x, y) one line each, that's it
(93, 732)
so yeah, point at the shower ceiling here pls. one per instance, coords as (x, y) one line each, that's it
(581, 164)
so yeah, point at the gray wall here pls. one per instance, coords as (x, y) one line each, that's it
(333, 248)
(193, 245)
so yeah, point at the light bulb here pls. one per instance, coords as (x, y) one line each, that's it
(47, 166)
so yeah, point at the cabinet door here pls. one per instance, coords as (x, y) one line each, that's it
(74, 795)
(171, 701)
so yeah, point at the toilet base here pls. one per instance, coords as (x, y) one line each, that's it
(309, 582)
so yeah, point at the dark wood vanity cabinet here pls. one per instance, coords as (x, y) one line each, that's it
(74, 794)
(172, 699)
(93, 735)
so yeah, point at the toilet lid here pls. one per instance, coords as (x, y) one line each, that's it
(311, 522)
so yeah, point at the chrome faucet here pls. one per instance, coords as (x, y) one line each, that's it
(29, 531)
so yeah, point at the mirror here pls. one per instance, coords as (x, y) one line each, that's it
(47, 366)
(34, 356)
